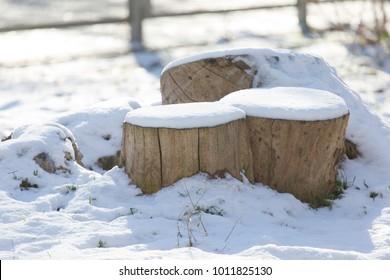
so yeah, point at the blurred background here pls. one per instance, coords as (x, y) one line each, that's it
(160, 24)
(59, 55)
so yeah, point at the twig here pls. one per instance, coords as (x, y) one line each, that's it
(13, 173)
(234, 226)
(13, 250)
(197, 210)
(231, 231)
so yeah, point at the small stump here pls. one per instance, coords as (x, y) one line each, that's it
(162, 144)
(205, 80)
(296, 136)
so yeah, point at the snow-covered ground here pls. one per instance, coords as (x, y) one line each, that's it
(52, 85)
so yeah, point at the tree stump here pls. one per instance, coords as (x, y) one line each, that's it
(206, 80)
(296, 136)
(162, 144)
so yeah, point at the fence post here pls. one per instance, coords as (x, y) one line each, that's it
(302, 15)
(138, 11)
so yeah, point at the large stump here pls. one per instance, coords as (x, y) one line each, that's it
(162, 144)
(297, 138)
(205, 80)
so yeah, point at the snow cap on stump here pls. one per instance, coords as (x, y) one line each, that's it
(288, 103)
(188, 115)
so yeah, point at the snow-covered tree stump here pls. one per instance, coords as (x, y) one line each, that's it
(162, 144)
(297, 138)
(205, 80)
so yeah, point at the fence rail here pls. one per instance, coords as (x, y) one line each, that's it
(75, 23)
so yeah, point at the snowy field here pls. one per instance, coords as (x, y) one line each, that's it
(60, 87)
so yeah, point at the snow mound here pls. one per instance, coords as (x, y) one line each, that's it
(51, 145)
(98, 128)
(181, 116)
(288, 103)
(80, 214)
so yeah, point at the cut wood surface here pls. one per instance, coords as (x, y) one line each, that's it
(158, 157)
(299, 157)
(205, 80)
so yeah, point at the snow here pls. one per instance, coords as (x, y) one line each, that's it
(29, 141)
(98, 128)
(288, 103)
(214, 54)
(78, 213)
(181, 116)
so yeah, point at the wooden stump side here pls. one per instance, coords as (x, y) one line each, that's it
(158, 157)
(142, 157)
(205, 80)
(299, 157)
(179, 154)
(239, 138)
(226, 148)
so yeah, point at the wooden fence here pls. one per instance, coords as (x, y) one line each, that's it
(141, 9)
